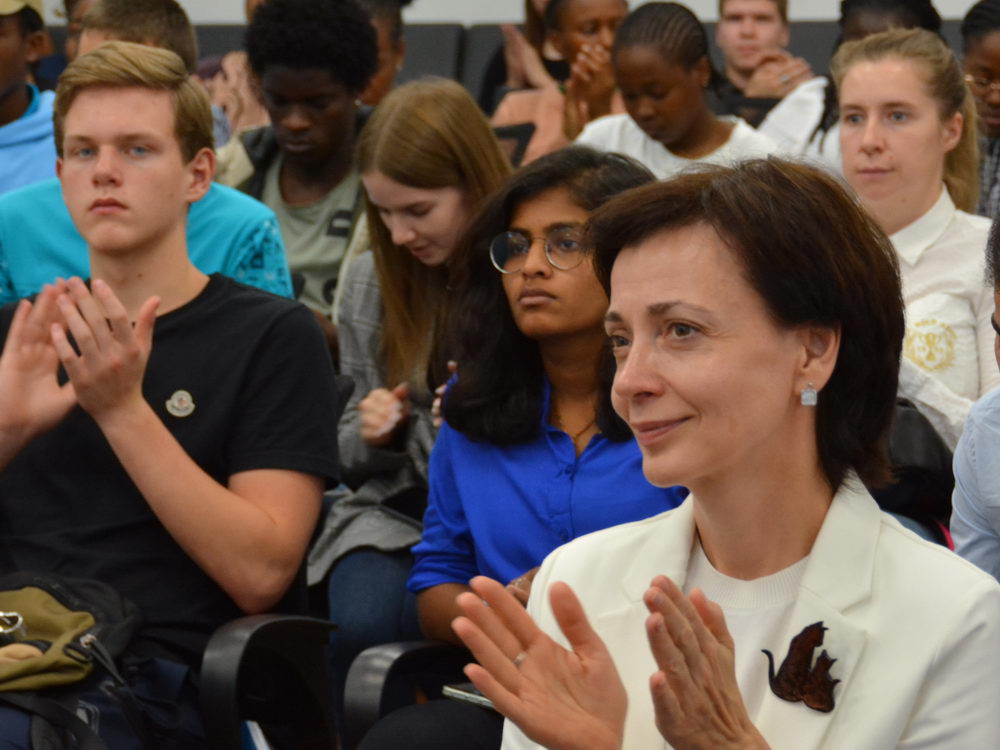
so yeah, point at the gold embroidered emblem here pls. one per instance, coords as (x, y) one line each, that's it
(181, 404)
(930, 344)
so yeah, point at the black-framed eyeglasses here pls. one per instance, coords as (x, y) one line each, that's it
(563, 249)
(981, 86)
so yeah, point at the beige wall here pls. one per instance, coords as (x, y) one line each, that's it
(491, 11)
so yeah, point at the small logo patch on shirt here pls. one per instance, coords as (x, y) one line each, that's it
(181, 404)
(930, 344)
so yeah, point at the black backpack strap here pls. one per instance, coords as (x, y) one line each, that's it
(56, 714)
(126, 699)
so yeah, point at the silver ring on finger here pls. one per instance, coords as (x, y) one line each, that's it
(519, 659)
(784, 79)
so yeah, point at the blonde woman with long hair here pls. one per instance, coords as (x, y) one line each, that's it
(427, 159)
(909, 149)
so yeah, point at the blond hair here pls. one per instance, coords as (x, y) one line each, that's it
(426, 134)
(125, 65)
(158, 23)
(945, 83)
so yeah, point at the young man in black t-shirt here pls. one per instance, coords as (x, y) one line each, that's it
(184, 460)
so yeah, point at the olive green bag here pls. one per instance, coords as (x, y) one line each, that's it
(80, 625)
(55, 630)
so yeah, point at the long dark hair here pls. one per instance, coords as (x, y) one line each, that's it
(498, 396)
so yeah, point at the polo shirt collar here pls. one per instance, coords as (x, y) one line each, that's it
(912, 240)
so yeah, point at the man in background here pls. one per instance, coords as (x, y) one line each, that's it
(27, 152)
(228, 232)
(757, 70)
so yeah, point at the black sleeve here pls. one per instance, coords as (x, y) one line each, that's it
(288, 403)
(493, 79)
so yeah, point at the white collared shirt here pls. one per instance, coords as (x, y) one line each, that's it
(792, 124)
(620, 134)
(948, 359)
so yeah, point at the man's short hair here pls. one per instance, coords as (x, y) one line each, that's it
(331, 35)
(781, 5)
(125, 65)
(158, 23)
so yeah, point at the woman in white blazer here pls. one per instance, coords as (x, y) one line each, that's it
(757, 320)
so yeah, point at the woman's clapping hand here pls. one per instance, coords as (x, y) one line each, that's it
(695, 695)
(562, 699)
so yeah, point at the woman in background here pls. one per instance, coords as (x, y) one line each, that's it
(582, 32)
(662, 68)
(908, 145)
(428, 159)
(805, 122)
(981, 50)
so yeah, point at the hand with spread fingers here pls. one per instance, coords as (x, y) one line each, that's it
(107, 372)
(695, 695)
(562, 699)
(525, 68)
(31, 399)
(589, 90)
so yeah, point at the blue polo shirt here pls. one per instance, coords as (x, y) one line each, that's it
(499, 510)
(227, 232)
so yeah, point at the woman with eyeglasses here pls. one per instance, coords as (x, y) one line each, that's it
(908, 148)
(531, 454)
(981, 50)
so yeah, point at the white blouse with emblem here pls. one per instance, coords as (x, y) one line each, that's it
(948, 359)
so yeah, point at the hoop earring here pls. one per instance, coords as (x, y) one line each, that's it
(809, 395)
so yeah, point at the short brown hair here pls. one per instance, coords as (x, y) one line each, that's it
(781, 5)
(158, 23)
(125, 65)
(817, 259)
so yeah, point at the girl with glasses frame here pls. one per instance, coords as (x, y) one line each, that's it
(981, 53)
(531, 453)
(530, 449)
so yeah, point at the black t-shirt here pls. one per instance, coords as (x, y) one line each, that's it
(258, 372)
(729, 100)
(494, 82)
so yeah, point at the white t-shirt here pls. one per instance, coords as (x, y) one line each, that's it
(792, 122)
(756, 613)
(620, 134)
(948, 360)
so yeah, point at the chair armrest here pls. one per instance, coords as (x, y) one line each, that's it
(267, 668)
(369, 691)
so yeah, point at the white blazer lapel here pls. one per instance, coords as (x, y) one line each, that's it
(666, 552)
(837, 576)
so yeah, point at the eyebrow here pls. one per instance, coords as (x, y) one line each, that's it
(659, 309)
(124, 138)
(550, 227)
